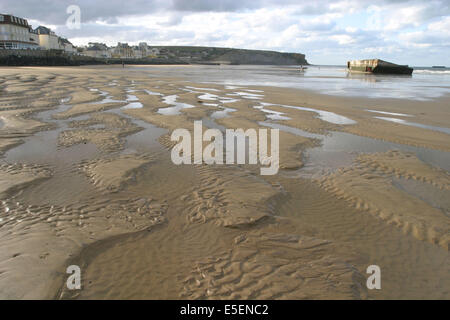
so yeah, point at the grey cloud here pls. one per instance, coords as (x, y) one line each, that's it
(213, 5)
(54, 11)
(172, 20)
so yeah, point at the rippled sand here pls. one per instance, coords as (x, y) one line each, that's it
(86, 178)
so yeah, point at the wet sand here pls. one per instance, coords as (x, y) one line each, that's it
(86, 178)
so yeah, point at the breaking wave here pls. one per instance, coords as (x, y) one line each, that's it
(427, 71)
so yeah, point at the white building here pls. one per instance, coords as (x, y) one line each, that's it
(16, 33)
(48, 39)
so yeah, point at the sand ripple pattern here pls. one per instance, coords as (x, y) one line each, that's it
(14, 177)
(368, 191)
(406, 165)
(115, 173)
(231, 197)
(45, 236)
(275, 266)
(108, 139)
(166, 141)
(132, 214)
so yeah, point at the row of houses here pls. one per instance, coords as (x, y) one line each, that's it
(16, 33)
(122, 50)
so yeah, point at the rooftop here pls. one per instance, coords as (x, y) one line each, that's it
(10, 19)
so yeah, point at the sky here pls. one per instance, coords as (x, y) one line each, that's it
(328, 32)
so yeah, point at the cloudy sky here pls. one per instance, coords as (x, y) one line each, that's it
(329, 32)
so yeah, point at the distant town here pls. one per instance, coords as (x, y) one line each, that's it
(17, 34)
(20, 44)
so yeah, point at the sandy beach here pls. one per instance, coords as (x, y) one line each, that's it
(86, 179)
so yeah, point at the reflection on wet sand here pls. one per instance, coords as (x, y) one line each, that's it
(419, 125)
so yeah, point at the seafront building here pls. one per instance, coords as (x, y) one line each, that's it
(16, 33)
(47, 38)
